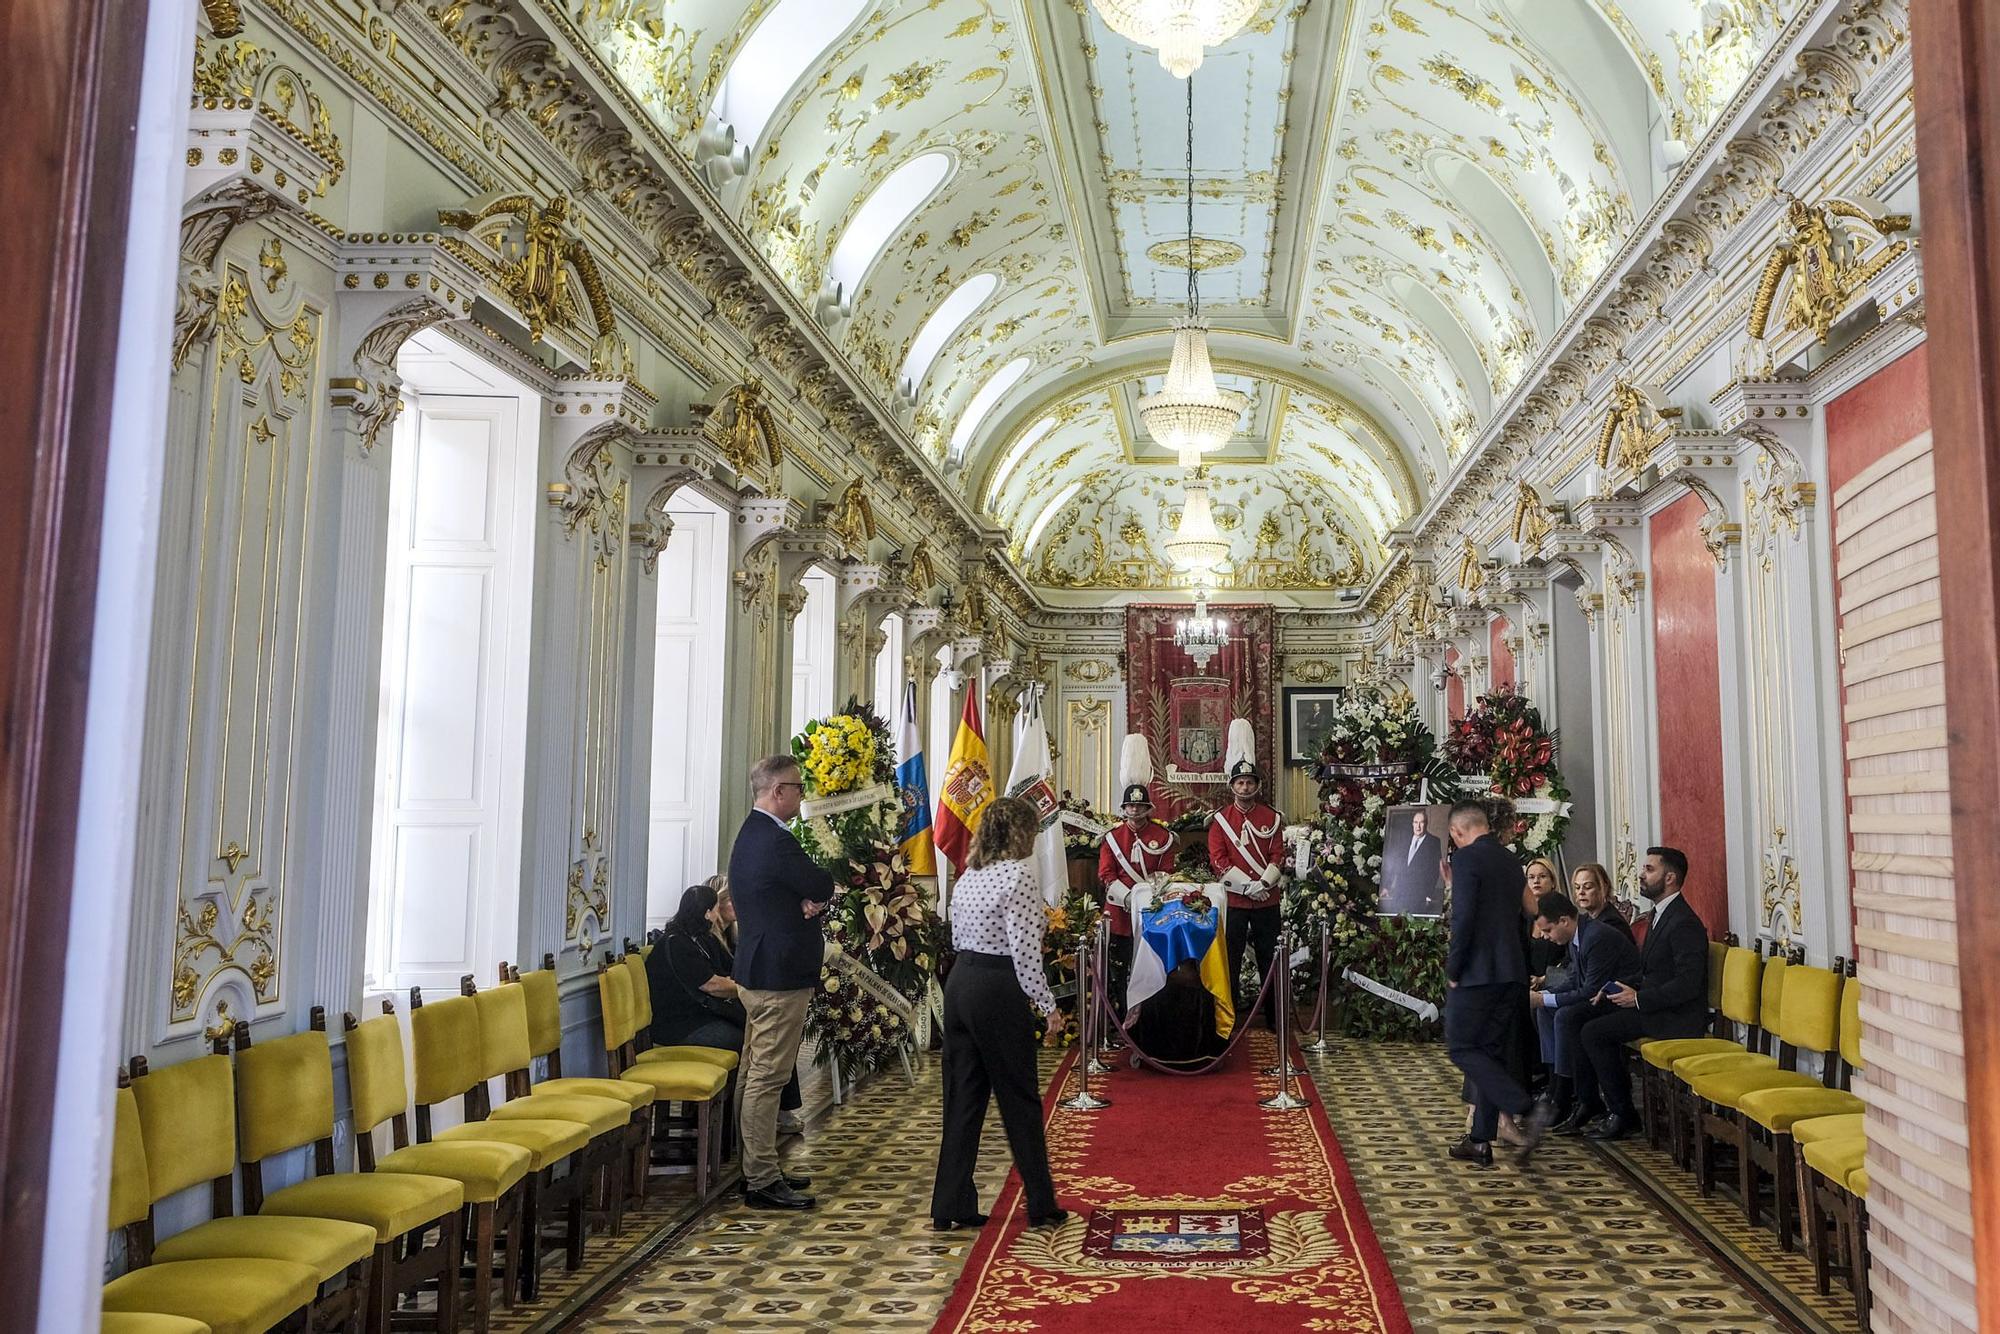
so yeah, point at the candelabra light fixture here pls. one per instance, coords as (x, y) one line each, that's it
(1197, 545)
(1190, 415)
(1201, 636)
(1180, 30)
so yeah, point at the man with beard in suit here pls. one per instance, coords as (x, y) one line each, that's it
(1670, 1001)
(1597, 953)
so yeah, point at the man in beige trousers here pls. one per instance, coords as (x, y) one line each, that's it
(779, 893)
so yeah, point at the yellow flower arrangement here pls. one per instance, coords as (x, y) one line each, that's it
(840, 755)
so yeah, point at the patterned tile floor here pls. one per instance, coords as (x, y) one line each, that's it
(1473, 1250)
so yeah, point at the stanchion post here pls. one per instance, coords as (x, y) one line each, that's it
(1318, 1044)
(1283, 1100)
(1083, 1100)
(1101, 1001)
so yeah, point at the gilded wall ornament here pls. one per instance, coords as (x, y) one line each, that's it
(547, 272)
(851, 518)
(1830, 261)
(1632, 428)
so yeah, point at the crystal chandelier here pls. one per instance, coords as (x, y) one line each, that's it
(1201, 636)
(1179, 29)
(1190, 416)
(1197, 546)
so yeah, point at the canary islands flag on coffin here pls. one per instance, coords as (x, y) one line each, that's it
(915, 790)
(967, 789)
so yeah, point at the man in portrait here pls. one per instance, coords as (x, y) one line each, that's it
(1412, 884)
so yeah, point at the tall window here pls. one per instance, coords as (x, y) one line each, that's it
(776, 56)
(451, 729)
(984, 402)
(877, 221)
(945, 321)
(888, 674)
(685, 808)
(812, 650)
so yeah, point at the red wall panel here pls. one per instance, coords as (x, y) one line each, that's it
(1499, 657)
(1688, 677)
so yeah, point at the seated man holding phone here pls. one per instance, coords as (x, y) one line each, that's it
(1670, 999)
(1597, 958)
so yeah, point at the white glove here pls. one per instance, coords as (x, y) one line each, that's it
(1272, 874)
(1235, 878)
(1120, 895)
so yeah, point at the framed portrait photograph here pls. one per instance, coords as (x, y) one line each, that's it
(1414, 847)
(1308, 718)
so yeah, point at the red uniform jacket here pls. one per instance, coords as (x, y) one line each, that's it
(1152, 849)
(1261, 832)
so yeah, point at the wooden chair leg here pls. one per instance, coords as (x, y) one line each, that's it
(510, 1245)
(482, 1267)
(1857, 1256)
(703, 1181)
(1704, 1161)
(448, 1282)
(381, 1293)
(579, 1203)
(1784, 1200)
(1746, 1167)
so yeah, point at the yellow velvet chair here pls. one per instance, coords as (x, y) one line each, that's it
(1833, 1193)
(640, 1049)
(1737, 1005)
(338, 1253)
(699, 1085)
(234, 1294)
(1810, 1020)
(284, 1101)
(493, 1175)
(134, 1322)
(450, 1063)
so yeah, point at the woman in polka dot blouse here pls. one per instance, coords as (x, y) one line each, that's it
(997, 922)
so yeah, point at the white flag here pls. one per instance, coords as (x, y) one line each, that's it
(1033, 780)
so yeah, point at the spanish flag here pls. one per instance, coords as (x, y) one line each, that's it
(914, 790)
(967, 789)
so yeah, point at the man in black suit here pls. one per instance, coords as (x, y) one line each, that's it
(1487, 976)
(1670, 1001)
(1597, 953)
(779, 891)
(1410, 875)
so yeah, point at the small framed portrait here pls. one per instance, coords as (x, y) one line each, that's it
(1309, 712)
(1414, 846)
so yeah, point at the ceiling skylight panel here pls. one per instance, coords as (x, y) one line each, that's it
(878, 220)
(777, 55)
(1062, 498)
(943, 323)
(982, 402)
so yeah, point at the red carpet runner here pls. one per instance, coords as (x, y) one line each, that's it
(1191, 1208)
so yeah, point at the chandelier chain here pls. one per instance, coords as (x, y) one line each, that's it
(1193, 270)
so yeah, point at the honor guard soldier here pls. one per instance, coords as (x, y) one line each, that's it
(1131, 854)
(1246, 846)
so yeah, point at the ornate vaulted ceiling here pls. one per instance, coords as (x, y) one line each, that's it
(1396, 203)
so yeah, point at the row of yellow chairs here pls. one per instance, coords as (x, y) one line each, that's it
(340, 1250)
(1749, 1094)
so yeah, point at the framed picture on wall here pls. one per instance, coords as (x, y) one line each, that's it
(1308, 718)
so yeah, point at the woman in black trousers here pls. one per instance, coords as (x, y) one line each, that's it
(997, 923)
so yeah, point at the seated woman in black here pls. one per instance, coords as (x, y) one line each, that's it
(694, 1001)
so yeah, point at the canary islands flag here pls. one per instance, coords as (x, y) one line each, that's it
(914, 789)
(967, 789)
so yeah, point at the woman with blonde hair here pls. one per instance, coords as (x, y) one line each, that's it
(724, 927)
(997, 923)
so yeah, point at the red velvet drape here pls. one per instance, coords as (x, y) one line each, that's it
(1152, 662)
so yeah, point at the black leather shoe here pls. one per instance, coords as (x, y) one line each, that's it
(796, 1182)
(1573, 1124)
(777, 1195)
(1532, 1128)
(1056, 1219)
(1470, 1150)
(1611, 1127)
(954, 1224)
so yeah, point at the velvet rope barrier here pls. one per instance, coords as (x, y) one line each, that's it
(1097, 997)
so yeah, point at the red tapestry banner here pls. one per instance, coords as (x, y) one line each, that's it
(1184, 711)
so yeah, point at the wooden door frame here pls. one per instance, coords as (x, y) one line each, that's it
(69, 102)
(1957, 60)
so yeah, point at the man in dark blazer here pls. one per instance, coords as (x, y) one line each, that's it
(1486, 974)
(1597, 953)
(779, 892)
(1670, 1000)
(1410, 873)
